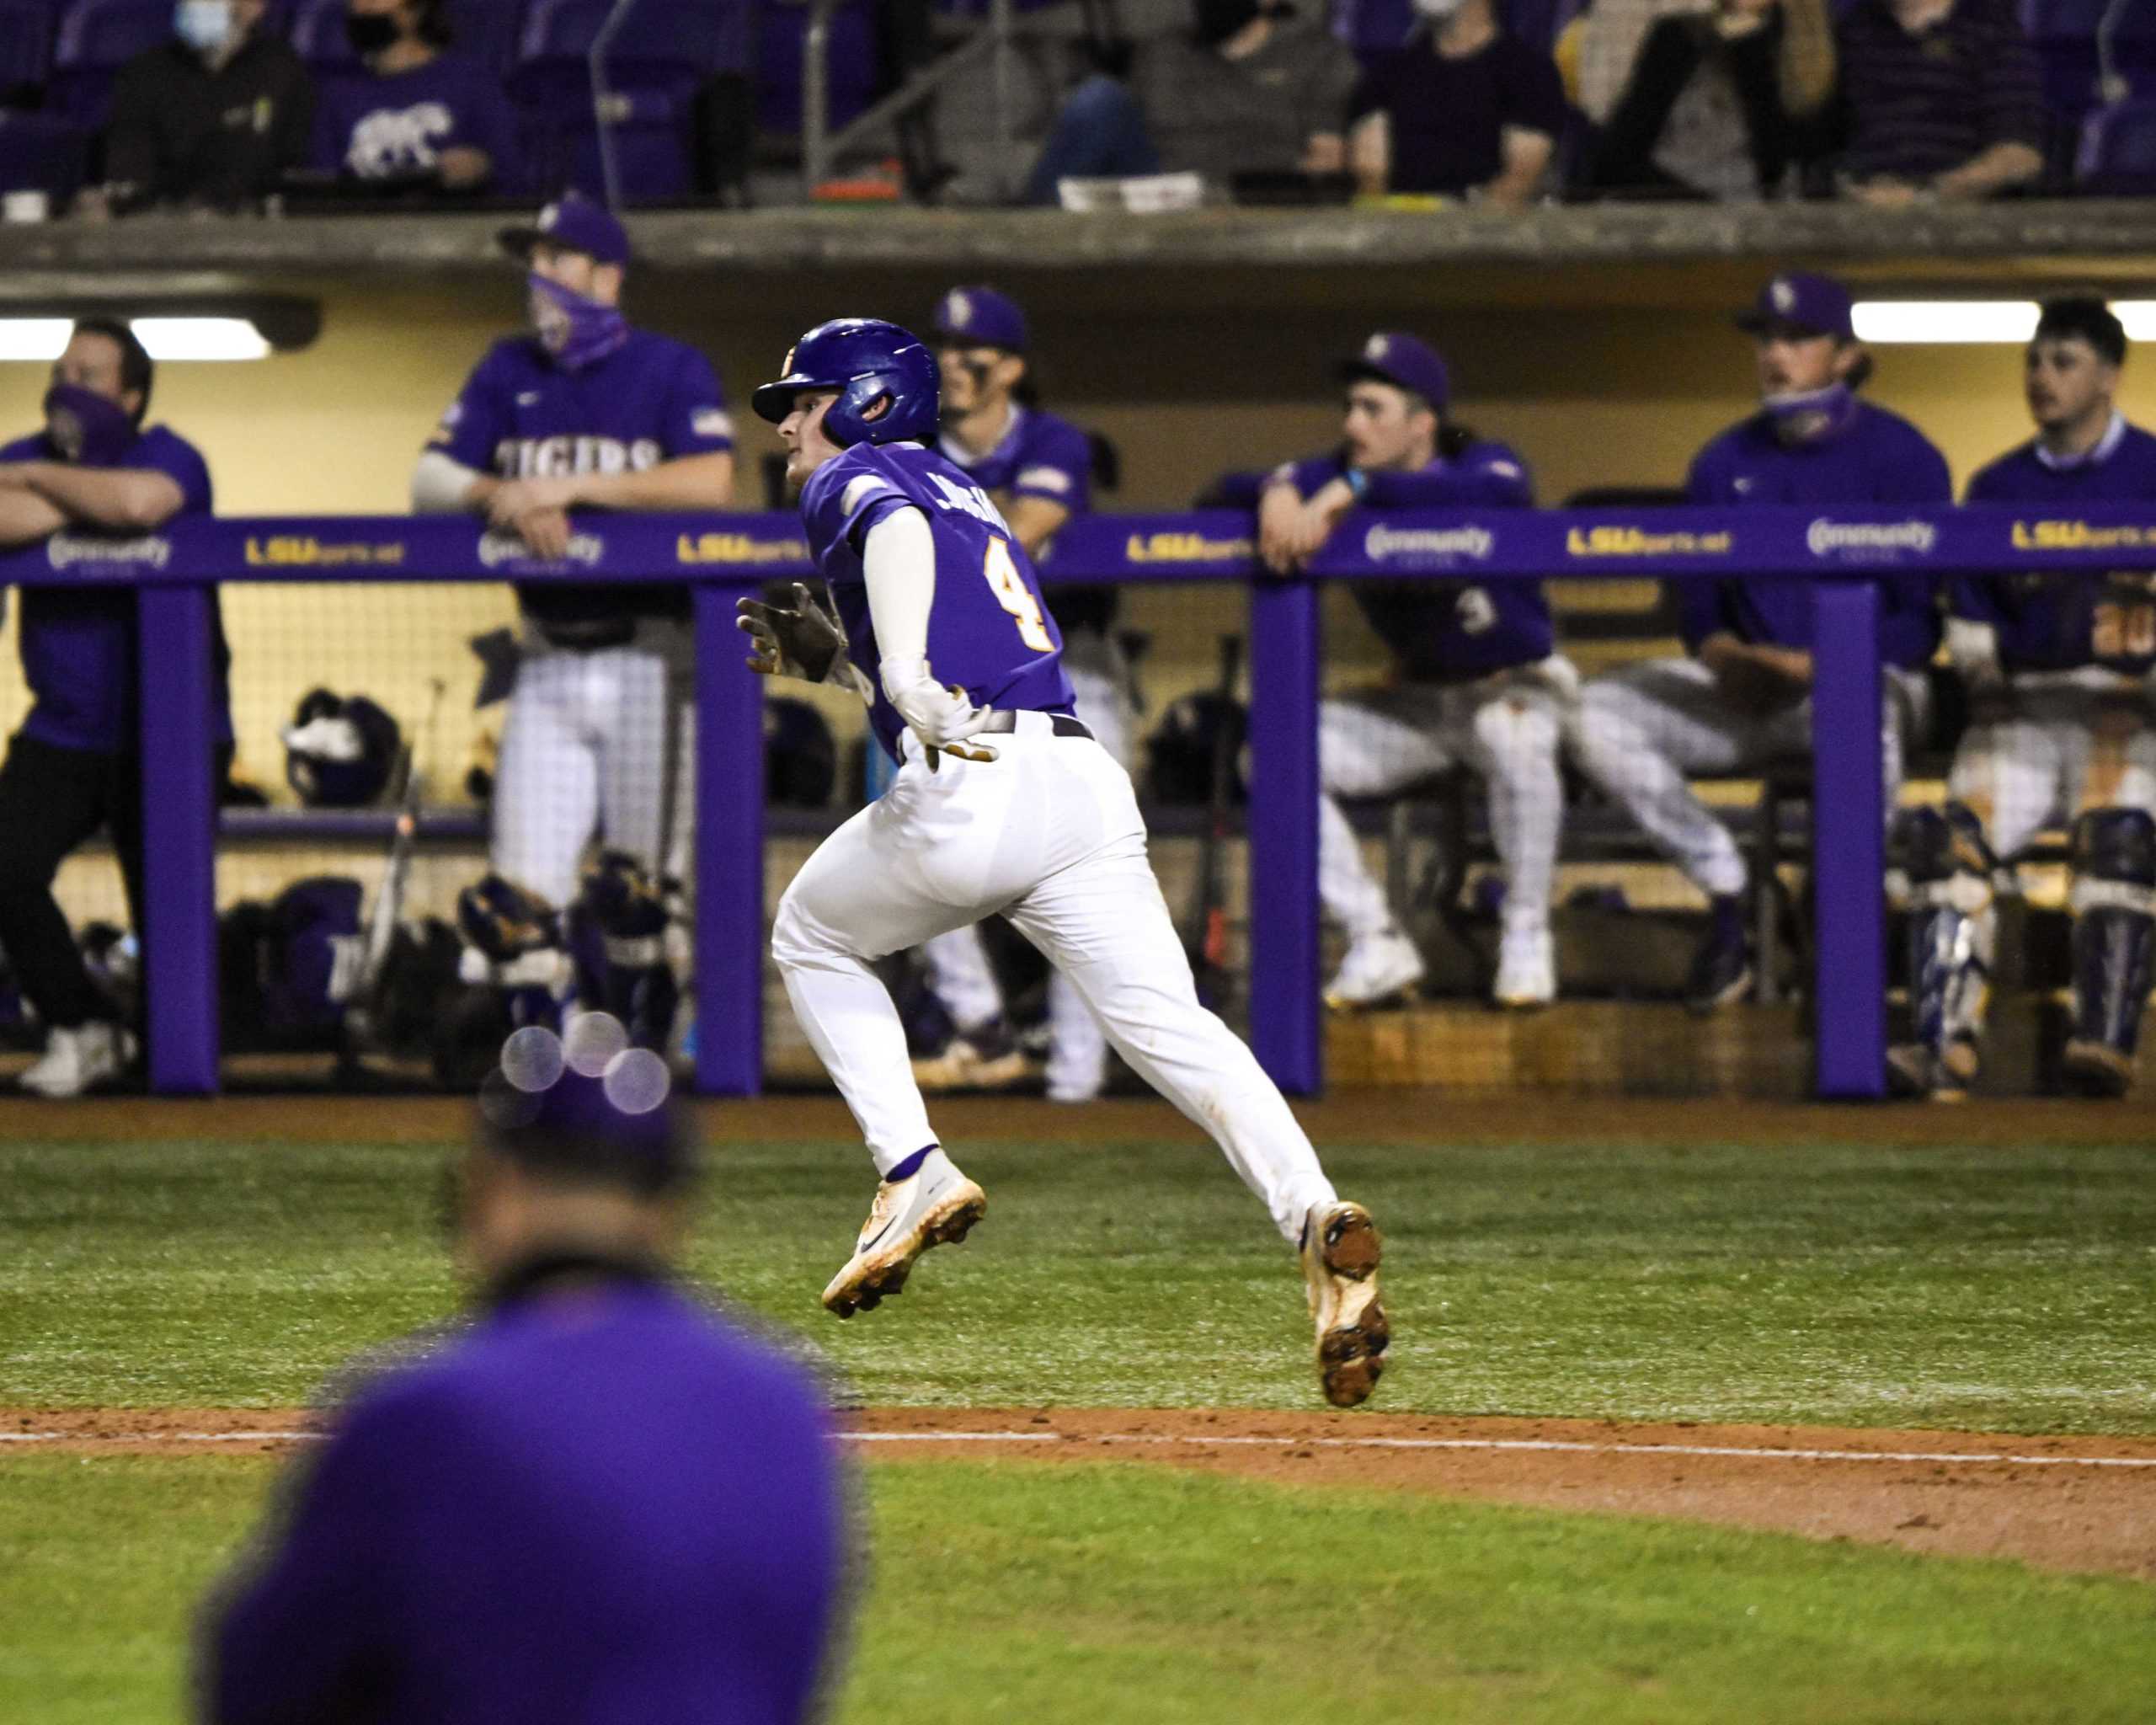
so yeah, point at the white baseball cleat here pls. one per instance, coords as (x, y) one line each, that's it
(1377, 968)
(80, 1059)
(1527, 969)
(934, 1205)
(1341, 1248)
(964, 1065)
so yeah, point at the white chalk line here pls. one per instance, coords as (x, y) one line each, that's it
(1541, 1445)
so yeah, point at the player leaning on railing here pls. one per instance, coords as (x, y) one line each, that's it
(2058, 670)
(76, 764)
(1003, 802)
(584, 412)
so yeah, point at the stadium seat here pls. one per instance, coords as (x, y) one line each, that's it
(41, 153)
(781, 28)
(317, 31)
(659, 56)
(489, 28)
(2118, 151)
(26, 28)
(95, 39)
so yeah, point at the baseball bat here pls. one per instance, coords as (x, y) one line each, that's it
(389, 902)
(1208, 939)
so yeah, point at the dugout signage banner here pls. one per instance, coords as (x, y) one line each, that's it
(1215, 545)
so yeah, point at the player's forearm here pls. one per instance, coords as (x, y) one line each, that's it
(899, 560)
(25, 517)
(688, 483)
(1034, 522)
(128, 500)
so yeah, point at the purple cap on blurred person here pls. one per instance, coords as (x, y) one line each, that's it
(576, 224)
(980, 316)
(586, 1105)
(1796, 299)
(1404, 361)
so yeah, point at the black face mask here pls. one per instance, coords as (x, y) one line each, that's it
(1219, 19)
(370, 32)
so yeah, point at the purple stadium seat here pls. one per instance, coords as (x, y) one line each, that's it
(2118, 151)
(41, 153)
(26, 29)
(489, 28)
(780, 29)
(316, 30)
(95, 39)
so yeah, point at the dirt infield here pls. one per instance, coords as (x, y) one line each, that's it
(2066, 1503)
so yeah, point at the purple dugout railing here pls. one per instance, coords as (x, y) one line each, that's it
(1843, 553)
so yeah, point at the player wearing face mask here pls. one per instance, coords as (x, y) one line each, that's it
(423, 116)
(1461, 109)
(213, 119)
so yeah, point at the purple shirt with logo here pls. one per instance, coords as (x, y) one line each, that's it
(520, 416)
(79, 643)
(1449, 631)
(2059, 619)
(597, 1504)
(989, 632)
(396, 126)
(1876, 457)
(1039, 455)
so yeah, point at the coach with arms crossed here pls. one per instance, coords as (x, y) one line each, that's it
(600, 1501)
(76, 764)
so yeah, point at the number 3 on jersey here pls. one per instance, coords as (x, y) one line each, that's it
(1013, 594)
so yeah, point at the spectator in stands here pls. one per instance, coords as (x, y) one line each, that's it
(1463, 110)
(1715, 104)
(422, 117)
(94, 472)
(1942, 99)
(1256, 88)
(1478, 681)
(599, 1498)
(212, 119)
(1742, 702)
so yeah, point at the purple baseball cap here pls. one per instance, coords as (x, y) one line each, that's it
(1796, 299)
(980, 316)
(1404, 361)
(586, 1104)
(576, 223)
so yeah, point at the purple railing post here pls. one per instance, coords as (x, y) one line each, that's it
(1849, 818)
(729, 854)
(1284, 1031)
(180, 850)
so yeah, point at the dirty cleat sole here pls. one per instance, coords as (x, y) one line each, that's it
(880, 1270)
(1341, 1250)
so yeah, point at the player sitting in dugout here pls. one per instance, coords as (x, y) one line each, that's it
(1742, 703)
(1477, 679)
(2062, 727)
(585, 413)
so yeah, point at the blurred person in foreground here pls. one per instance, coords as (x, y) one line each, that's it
(212, 119)
(597, 1501)
(95, 485)
(425, 117)
(1743, 700)
(2058, 667)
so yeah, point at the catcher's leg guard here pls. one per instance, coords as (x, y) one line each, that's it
(631, 910)
(2114, 905)
(1951, 927)
(513, 944)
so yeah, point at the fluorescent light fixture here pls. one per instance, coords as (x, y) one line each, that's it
(1943, 321)
(44, 338)
(2139, 317)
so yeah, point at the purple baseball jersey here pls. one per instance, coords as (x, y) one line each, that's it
(397, 126)
(1039, 455)
(1444, 631)
(598, 1505)
(2059, 619)
(1875, 456)
(520, 416)
(79, 644)
(989, 632)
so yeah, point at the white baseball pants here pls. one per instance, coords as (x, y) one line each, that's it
(598, 742)
(1378, 742)
(2073, 741)
(1642, 730)
(958, 969)
(1049, 834)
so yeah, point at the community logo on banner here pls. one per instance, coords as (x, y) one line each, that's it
(1870, 541)
(64, 551)
(1429, 548)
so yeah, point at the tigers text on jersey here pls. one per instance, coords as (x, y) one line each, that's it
(520, 416)
(2058, 620)
(1449, 631)
(1874, 457)
(989, 632)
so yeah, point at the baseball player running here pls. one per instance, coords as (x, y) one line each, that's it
(1478, 679)
(1002, 801)
(1039, 470)
(2057, 668)
(1743, 701)
(584, 412)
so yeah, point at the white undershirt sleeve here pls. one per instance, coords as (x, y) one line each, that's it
(440, 485)
(899, 561)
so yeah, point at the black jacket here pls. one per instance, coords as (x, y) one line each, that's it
(183, 133)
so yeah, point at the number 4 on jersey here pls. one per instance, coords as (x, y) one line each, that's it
(1015, 596)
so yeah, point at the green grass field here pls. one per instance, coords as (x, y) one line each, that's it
(1986, 1288)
